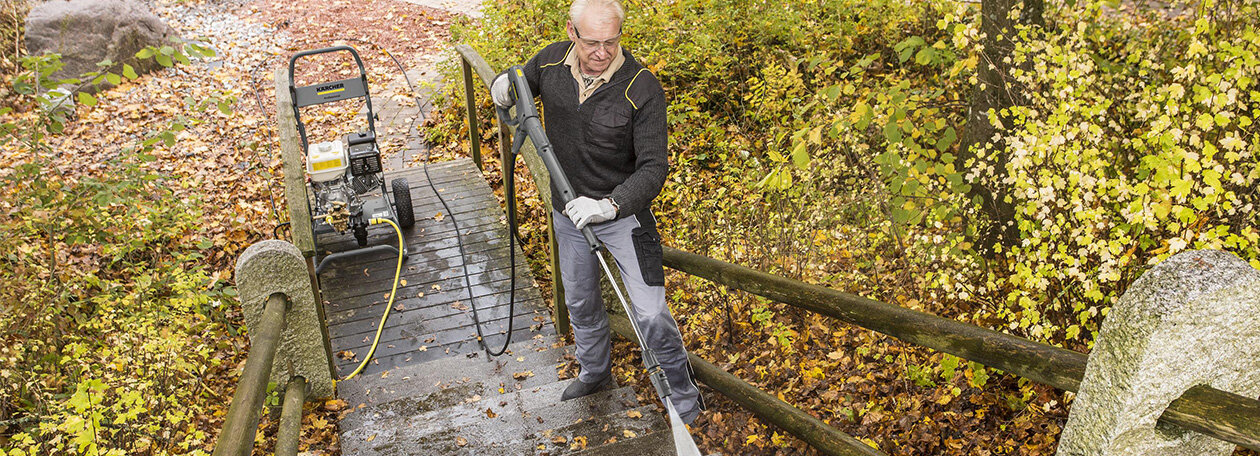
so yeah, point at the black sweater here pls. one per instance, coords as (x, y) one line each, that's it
(614, 143)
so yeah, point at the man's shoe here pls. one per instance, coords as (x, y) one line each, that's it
(578, 388)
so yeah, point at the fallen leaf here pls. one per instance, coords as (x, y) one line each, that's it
(523, 375)
(461, 441)
(579, 443)
(490, 413)
(629, 434)
(634, 414)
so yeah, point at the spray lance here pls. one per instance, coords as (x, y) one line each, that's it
(528, 125)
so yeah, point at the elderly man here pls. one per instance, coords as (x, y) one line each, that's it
(605, 117)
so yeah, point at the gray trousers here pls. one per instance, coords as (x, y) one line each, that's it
(635, 245)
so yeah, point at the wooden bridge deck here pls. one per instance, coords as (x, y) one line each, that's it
(430, 389)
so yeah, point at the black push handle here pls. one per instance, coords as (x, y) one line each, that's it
(358, 61)
(527, 120)
(297, 115)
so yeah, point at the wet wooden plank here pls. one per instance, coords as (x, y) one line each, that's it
(432, 314)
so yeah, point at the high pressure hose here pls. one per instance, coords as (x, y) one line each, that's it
(392, 292)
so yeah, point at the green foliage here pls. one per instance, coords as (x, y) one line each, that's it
(1136, 143)
(107, 301)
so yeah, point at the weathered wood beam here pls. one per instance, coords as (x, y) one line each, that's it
(288, 436)
(1054, 366)
(237, 436)
(795, 421)
(295, 192)
(1210, 411)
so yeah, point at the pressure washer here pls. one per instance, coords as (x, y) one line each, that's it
(527, 124)
(345, 174)
(343, 211)
(347, 179)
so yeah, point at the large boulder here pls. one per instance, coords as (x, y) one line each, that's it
(86, 32)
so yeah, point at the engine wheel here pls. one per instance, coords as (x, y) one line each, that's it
(402, 203)
(360, 235)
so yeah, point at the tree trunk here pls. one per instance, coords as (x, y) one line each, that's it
(994, 92)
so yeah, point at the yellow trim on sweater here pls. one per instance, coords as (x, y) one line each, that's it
(566, 56)
(631, 84)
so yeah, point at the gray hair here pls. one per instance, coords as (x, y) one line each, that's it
(613, 6)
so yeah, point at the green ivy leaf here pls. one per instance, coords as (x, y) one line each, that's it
(129, 72)
(925, 56)
(145, 53)
(892, 132)
(113, 78)
(164, 61)
(947, 139)
(800, 156)
(86, 99)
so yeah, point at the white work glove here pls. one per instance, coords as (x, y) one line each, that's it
(583, 211)
(500, 92)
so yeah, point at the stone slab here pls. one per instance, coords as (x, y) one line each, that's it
(277, 266)
(1192, 320)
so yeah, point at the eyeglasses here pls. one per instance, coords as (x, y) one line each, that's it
(610, 43)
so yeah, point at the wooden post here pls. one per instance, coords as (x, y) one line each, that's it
(470, 102)
(291, 152)
(237, 436)
(291, 418)
(561, 313)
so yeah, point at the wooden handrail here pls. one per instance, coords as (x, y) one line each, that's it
(1220, 414)
(237, 436)
(291, 417)
(795, 421)
(471, 61)
(542, 180)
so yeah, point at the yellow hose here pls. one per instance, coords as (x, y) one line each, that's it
(397, 272)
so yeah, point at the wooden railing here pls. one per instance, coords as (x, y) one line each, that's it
(237, 436)
(1220, 414)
